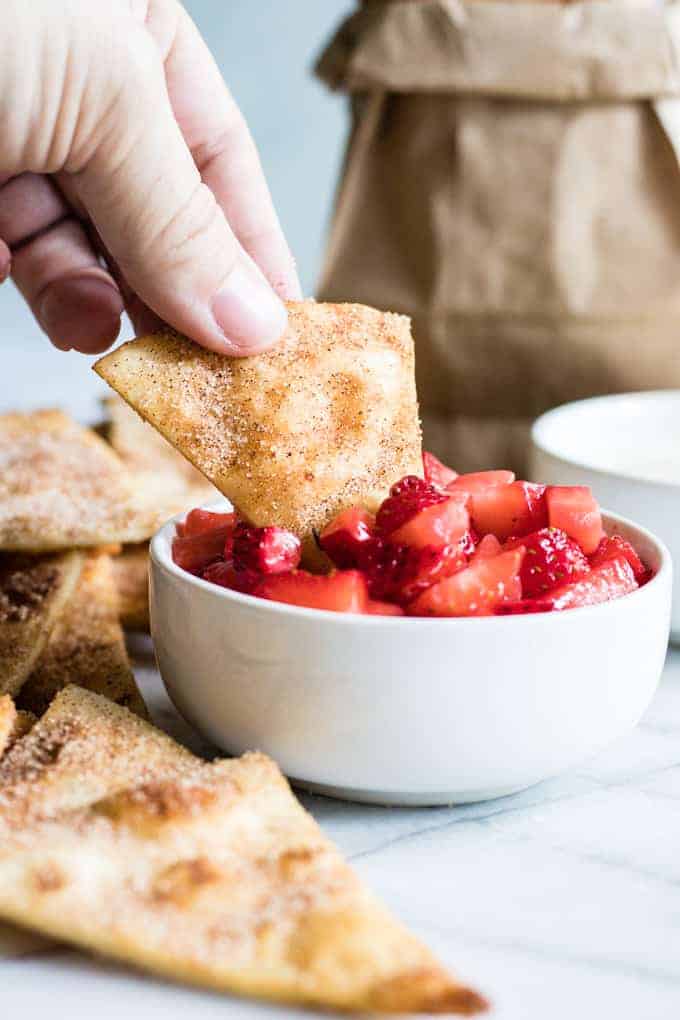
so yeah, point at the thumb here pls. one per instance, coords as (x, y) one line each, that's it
(163, 225)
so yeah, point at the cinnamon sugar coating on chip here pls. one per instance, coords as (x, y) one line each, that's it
(209, 873)
(151, 458)
(325, 419)
(86, 646)
(33, 593)
(62, 486)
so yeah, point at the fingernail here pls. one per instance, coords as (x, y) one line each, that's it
(81, 312)
(247, 311)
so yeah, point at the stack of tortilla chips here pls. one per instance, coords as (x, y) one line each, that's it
(113, 837)
(76, 514)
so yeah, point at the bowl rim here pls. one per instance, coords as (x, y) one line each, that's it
(160, 557)
(542, 424)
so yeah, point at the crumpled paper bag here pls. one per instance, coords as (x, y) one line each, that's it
(512, 182)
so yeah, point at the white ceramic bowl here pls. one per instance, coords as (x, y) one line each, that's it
(627, 448)
(409, 711)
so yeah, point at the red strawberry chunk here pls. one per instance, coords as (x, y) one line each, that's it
(551, 559)
(436, 473)
(487, 548)
(445, 523)
(574, 509)
(504, 510)
(345, 536)
(614, 547)
(198, 522)
(374, 608)
(267, 550)
(398, 573)
(609, 581)
(343, 591)
(195, 552)
(476, 481)
(224, 573)
(407, 498)
(475, 591)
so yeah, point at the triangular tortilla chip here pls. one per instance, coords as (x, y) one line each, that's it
(325, 419)
(131, 576)
(144, 452)
(33, 592)
(86, 647)
(208, 873)
(62, 486)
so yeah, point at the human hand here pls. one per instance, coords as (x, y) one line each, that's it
(129, 177)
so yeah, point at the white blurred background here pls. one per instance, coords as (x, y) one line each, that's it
(266, 50)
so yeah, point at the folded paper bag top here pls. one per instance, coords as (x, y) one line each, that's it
(539, 51)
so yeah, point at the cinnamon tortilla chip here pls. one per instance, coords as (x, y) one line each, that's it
(62, 486)
(33, 592)
(86, 647)
(13, 725)
(325, 419)
(131, 576)
(144, 452)
(114, 839)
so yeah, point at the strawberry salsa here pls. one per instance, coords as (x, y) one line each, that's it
(479, 544)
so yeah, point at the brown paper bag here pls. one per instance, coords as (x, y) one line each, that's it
(511, 183)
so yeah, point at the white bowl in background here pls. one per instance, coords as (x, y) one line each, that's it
(627, 449)
(409, 711)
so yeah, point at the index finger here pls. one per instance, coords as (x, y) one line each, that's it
(221, 144)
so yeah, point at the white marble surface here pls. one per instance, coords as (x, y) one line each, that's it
(561, 903)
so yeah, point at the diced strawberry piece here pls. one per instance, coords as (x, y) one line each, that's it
(410, 486)
(475, 591)
(195, 552)
(609, 581)
(524, 606)
(437, 473)
(476, 481)
(375, 608)
(198, 522)
(444, 523)
(552, 559)
(343, 591)
(612, 548)
(224, 573)
(574, 509)
(399, 573)
(344, 537)
(407, 498)
(267, 550)
(504, 510)
(488, 547)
